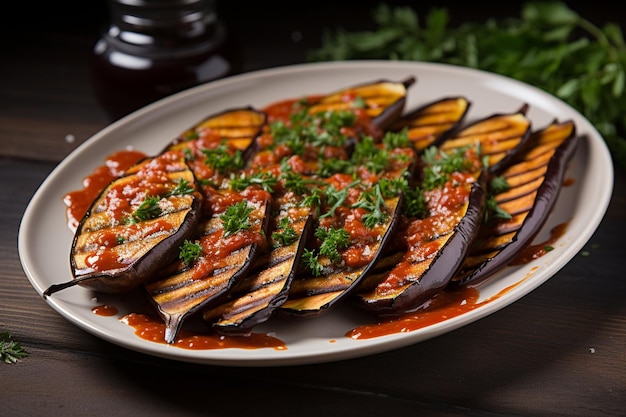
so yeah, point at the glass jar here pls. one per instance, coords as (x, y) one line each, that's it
(154, 48)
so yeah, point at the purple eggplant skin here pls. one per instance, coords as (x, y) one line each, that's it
(547, 195)
(147, 267)
(445, 265)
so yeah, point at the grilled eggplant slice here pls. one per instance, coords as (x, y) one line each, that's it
(216, 150)
(227, 244)
(302, 150)
(358, 219)
(383, 101)
(500, 137)
(434, 122)
(238, 127)
(436, 247)
(533, 185)
(135, 226)
(254, 299)
(314, 295)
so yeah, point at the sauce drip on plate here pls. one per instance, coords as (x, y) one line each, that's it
(153, 330)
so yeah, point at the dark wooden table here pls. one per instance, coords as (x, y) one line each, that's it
(559, 351)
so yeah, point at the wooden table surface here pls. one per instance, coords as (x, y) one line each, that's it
(559, 351)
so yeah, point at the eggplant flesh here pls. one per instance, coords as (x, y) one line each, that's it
(190, 288)
(501, 137)
(428, 267)
(434, 122)
(255, 298)
(535, 181)
(382, 100)
(115, 251)
(312, 296)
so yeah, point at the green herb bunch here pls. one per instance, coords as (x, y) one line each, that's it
(549, 46)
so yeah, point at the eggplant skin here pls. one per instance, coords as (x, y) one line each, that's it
(444, 266)
(148, 266)
(157, 252)
(545, 200)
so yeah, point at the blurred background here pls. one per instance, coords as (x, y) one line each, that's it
(259, 35)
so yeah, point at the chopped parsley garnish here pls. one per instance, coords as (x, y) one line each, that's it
(310, 261)
(496, 186)
(441, 164)
(190, 135)
(263, 179)
(285, 235)
(335, 198)
(297, 183)
(286, 135)
(223, 159)
(393, 140)
(321, 129)
(188, 153)
(236, 217)
(182, 187)
(364, 149)
(190, 252)
(372, 200)
(314, 200)
(359, 103)
(149, 209)
(331, 166)
(414, 203)
(332, 241)
(10, 350)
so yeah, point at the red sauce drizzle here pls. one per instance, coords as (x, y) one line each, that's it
(567, 182)
(78, 201)
(538, 250)
(451, 302)
(443, 306)
(153, 330)
(104, 310)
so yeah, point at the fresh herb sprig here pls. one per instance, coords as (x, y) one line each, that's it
(190, 252)
(549, 46)
(148, 209)
(236, 217)
(332, 241)
(10, 350)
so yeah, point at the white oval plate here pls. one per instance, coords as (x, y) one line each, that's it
(44, 240)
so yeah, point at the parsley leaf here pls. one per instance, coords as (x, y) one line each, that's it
(223, 159)
(332, 241)
(190, 252)
(236, 217)
(182, 187)
(10, 351)
(285, 235)
(263, 179)
(149, 209)
(311, 262)
(372, 200)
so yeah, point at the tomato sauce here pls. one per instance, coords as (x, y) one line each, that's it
(105, 310)
(153, 330)
(79, 201)
(538, 250)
